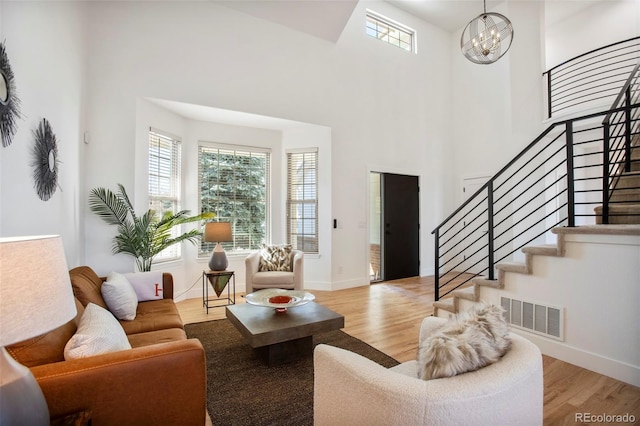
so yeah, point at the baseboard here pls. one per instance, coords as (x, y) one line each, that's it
(342, 285)
(591, 361)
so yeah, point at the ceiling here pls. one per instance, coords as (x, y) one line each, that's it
(453, 15)
(321, 18)
(327, 18)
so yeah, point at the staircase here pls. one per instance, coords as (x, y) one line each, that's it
(473, 292)
(624, 209)
(555, 236)
(624, 205)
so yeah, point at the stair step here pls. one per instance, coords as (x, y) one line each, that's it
(513, 267)
(468, 293)
(446, 305)
(620, 214)
(542, 250)
(485, 282)
(625, 195)
(629, 180)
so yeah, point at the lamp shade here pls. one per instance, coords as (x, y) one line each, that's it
(35, 289)
(217, 231)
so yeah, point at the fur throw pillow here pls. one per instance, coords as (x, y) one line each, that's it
(468, 342)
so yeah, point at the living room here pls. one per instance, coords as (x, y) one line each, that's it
(102, 73)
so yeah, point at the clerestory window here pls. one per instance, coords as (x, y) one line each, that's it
(391, 32)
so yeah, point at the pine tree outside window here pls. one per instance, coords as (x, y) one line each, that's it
(302, 200)
(234, 184)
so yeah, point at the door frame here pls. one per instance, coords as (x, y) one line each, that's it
(397, 171)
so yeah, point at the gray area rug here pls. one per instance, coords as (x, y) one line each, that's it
(243, 390)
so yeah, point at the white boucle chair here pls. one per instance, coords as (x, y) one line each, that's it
(256, 280)
(352, 390)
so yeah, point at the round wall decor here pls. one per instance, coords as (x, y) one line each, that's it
(45, 161)
(9, 102)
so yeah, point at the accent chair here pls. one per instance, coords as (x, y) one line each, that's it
(292, 279)
(352, 390)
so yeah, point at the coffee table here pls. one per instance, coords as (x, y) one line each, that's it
(283, 337)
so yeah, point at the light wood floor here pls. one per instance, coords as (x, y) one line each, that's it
(388, 315)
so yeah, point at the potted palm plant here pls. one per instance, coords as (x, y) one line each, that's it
(142, 237)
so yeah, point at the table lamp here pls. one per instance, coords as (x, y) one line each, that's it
(217, 232)
(35, 297)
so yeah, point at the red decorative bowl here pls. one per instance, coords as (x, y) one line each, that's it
(280, 299)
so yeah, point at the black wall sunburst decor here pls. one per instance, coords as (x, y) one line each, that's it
(9, 101)
(45, 161)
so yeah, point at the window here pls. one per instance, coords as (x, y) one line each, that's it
(390, 32)
(234, 184)
(164, 183)
(302, 200)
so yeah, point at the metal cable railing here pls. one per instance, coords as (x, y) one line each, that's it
(565, 177)
(591, 79)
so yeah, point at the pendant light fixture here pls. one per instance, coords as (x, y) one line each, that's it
(487, 37)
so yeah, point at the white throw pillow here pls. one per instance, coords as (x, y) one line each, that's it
(98, 333)
(120, 297)
(147, 285)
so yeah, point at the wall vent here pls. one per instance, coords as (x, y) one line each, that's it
(536, 318)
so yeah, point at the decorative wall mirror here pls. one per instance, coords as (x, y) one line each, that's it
(4, 89)
(45, 161)
(9, 102)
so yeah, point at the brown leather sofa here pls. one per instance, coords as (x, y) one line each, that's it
(160, 381)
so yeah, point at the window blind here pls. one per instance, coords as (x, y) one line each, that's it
(302, 200)
(164, 182)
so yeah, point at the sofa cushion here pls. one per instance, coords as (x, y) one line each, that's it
(48, 347)
(158, 336)
(86, 286)
(275, 258)
(468, 342)
(98, 332)
(154, 315)
(120, 297)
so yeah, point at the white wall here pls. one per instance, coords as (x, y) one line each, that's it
(280, 137)
(45, 45)
(86, 65)
(600, 303)
(601, 24)
(381, 104)
(497, 108)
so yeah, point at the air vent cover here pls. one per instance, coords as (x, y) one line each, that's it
(534, 317)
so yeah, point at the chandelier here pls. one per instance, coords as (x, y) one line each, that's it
(487, 37)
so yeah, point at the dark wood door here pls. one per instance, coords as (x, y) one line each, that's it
(401, 225)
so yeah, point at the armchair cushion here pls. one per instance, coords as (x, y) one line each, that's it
(273, 278)
(275, 258)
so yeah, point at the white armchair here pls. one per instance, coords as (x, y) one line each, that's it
(289, 280)
(352, 390)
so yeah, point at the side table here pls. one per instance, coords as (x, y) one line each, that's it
(218, 280)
